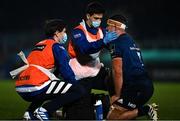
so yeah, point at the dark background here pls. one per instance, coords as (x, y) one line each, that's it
(154, 24)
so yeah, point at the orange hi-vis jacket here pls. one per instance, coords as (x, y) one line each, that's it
(42, 55)
(92, 67)
(89, 36)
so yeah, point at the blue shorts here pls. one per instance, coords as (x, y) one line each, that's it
(136, 94)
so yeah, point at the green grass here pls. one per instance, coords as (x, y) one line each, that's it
(166, 95)
(12, 106)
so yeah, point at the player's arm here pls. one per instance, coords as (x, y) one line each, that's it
(116, 50)
(117, 77)
(62, 63)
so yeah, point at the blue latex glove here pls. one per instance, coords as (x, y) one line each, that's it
(110, 36)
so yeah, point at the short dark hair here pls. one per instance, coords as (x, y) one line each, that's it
(53, 25)
(120, 18)
(95, 8)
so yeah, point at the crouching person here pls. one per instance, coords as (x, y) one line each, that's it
(36, 81)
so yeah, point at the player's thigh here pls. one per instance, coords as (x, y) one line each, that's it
(135, 96)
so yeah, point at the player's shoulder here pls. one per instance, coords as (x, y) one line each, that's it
(124, 38)
(127, 37)
(120, 42)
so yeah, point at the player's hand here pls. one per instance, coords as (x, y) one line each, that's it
(113, 99)
(110, 36)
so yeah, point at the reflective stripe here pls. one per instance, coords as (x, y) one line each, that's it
(51, 87)
(66, 88)
(46, 71)
(33, 88)
(15, 72)
(59, 87)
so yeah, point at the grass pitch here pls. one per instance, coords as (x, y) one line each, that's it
(166, 95)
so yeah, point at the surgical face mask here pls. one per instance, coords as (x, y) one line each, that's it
(63, 39)
(96, 24)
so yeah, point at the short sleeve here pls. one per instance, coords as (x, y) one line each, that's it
(116, 48)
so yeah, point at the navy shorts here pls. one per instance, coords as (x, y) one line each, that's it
(136, 94)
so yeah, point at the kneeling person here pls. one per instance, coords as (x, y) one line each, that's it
(132, 86)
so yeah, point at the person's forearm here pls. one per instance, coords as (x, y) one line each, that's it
(118, 81)
(85, 47)
(117, 75)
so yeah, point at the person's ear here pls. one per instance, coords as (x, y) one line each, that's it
(56, 33)
(87, 16)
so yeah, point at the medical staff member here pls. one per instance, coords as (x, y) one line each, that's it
(36, 82)
(132, 86)
(88, 39)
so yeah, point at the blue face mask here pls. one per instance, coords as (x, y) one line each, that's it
(64, 39)
(96, 24)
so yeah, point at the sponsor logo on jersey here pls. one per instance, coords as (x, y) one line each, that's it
(134, 48)
(39, 47)
(77, 35)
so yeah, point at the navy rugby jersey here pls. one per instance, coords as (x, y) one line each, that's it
(133, 65)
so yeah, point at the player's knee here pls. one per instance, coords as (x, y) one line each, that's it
(116, 112)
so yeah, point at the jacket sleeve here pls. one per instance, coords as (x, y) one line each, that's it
(62, 63)
(83, 46)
